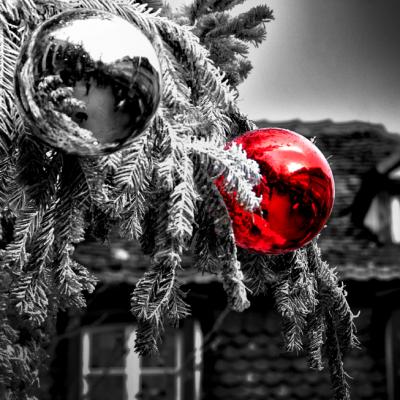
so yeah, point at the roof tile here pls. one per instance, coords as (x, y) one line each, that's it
(273, 375)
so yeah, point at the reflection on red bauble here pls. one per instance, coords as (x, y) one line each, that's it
(297, 191)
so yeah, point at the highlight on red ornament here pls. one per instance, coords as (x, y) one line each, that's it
(297, 189)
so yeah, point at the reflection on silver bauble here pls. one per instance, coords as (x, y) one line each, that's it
(88, 82)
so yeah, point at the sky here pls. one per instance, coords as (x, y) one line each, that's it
(336, 59)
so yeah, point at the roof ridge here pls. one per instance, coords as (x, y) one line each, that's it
(327, 126)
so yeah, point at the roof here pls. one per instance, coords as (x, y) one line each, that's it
(119, 260)
(249, 362)
(353, 149)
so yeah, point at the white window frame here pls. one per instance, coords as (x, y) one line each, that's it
(198, 359)
(395, 219)
(131, 361)
(388, 209)
(168, 370)
(132, 371)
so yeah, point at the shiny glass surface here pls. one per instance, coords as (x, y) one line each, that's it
(157, 387)
(106, 387)
(108, 349)
(167, 355)
(297, 189)
(88, 81)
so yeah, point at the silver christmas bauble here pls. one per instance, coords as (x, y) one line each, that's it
(88, 82)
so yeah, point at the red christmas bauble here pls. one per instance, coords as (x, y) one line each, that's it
(297, 191)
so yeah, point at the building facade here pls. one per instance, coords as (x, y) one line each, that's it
(219, 354)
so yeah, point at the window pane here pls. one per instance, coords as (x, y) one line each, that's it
(395, 208)
(157, 387)
(167, 355)
(106, 387)
(108, 349)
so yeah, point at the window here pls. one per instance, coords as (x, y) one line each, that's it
(395, 218)
(383, 217)
(112, 370)
(160, 377)
(377, 204)
(377, 218)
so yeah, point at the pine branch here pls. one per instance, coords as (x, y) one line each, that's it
(27, 223)
(152, 293)
(225, 5)
(9, 52)
(3, 145)
(226, 37)
(240, 174)
(42, 242)
(294, 297)
(111, 163)
(246, 22)
(136, 169)
(157, 294)
(205, 239)
(233, 283)
(225, 249)
(258, 272)
(148, 227)
(206, 248)
(95, 181)
(338, 318)
(29, 293)
(224, 50)
(151, 189)
(176, 93)
(11, 194)
(132, 181)
(73, 201)
(297, 297)
(32, 11)
(69, 286)
(240, 124)
(28, 290)
(148, 338)
(182, 204)
(24, 359)
(157, 297)
(334, 355)
(202, 8)
(198, 8)
(207, 23)
(38, 167)
(11, 34)
(7, 221)
(237, 70)
(333, 299)
(130, 10)
(218, 123)
(315, 338)
(206, 78)
(70, 228)
(152, 4)
(164, 155)
(133, 215)
(30, 287)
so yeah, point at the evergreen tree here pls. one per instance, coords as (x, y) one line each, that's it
(159, 190)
